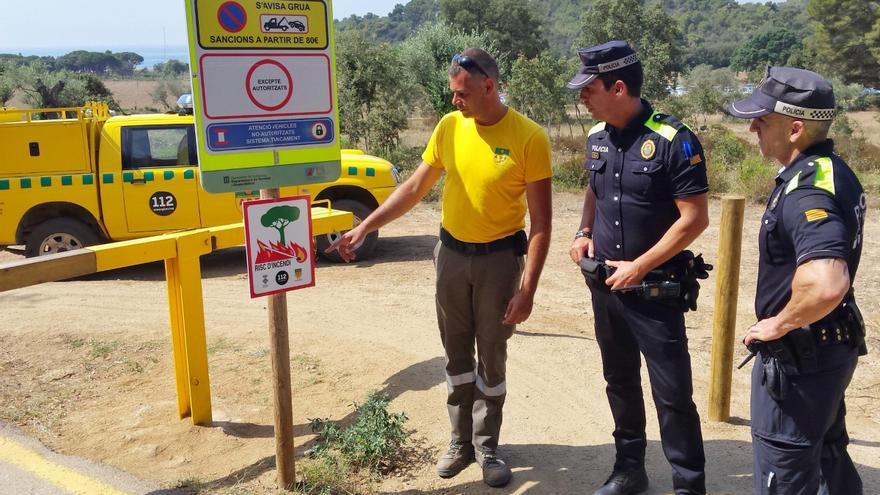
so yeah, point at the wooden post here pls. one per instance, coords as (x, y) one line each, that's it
(280, 350)
(726, 292)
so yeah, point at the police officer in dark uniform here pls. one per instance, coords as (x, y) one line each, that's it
(809, 332)
(647, 201)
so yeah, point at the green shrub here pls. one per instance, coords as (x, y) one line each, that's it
(569, 173)
(723, 148)
(755, 178)
(405, 158)
(374, 441)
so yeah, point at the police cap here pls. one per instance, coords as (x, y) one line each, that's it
(797, 93)
(599, 59)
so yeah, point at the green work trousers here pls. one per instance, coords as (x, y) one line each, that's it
(473, 291)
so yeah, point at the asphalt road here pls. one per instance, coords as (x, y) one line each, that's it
(28, 468)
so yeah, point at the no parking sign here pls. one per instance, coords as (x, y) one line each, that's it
(264, 93)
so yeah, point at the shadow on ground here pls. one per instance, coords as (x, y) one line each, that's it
(538, 468)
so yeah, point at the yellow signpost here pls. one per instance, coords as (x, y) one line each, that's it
(264, 93)
(264, 98)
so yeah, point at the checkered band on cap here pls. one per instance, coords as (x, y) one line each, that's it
(619, 63)
(804, 113)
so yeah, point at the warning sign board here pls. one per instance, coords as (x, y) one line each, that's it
(250, 25)
(264, 93)
(278, 236)
(256, 85)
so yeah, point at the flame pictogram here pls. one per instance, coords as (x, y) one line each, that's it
(274, 251)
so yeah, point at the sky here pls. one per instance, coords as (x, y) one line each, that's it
(111, 24)
(115, 24)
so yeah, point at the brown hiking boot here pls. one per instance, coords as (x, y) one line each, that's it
(456, 458)
(495, 471)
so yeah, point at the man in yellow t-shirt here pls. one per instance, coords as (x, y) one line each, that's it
(497, 162)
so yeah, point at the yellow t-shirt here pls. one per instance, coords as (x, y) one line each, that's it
(487, 168)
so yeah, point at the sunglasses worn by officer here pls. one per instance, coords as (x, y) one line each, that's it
(468, 64)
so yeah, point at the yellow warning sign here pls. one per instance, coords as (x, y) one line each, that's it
(246, 24)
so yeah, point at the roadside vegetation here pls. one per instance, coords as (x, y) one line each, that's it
(349, 459)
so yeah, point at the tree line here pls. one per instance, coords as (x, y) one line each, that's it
(697, 54)
(76, 77)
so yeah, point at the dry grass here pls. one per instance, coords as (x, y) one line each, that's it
(869, 125)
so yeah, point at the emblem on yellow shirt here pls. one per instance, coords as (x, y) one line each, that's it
(501, 155)
(648, 149)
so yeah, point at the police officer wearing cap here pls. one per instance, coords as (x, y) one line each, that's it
(646, 202)
(809, 332)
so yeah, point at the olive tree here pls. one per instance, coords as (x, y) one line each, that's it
(374, 91)
(426, 56)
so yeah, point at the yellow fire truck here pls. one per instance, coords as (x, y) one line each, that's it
(72, 177)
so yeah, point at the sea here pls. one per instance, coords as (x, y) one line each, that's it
(153, 54)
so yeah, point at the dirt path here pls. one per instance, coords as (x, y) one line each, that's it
(85, 366)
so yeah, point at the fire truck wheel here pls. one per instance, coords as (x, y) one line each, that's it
(362, 252)
(59, 235)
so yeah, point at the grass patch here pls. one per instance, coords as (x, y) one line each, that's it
(259, 352)
(101, 350)
(221, 345)
(134, 367)
(306, 361)
(73, 342)
(346, 458)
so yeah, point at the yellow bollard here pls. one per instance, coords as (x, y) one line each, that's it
(726, 293)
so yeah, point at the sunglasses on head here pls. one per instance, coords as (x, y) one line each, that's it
(468, 63)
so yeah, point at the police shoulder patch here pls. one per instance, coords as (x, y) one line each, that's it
(815, 214)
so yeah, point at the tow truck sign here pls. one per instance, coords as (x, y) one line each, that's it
(264, 92)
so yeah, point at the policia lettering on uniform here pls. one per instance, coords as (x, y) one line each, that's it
(647, 185)
(811, 233)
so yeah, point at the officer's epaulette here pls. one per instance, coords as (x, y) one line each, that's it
(665, 125)
(669, 119)
(599, 127)
(818, 173)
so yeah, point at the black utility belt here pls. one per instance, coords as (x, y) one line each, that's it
(517, 241)
(843, 326)
(675, 284)
(797, 350)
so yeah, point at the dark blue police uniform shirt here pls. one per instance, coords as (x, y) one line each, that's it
(816, 210)
(636, 174)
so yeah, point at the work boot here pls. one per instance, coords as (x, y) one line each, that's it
(495, 471)
(625, 483)
(456, 458)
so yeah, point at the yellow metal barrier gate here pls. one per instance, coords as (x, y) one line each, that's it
(181, 252)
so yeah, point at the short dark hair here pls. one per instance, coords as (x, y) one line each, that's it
(631, 75)
(483, 60)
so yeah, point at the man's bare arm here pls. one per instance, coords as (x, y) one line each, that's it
(539, 197)
(403, 199)
(819, 285)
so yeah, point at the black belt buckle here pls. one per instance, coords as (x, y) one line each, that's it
(473, 248)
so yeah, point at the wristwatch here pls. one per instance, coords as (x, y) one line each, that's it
(583, 233)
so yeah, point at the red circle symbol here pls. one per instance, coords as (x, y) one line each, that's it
(232, 17)
(269, 107)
